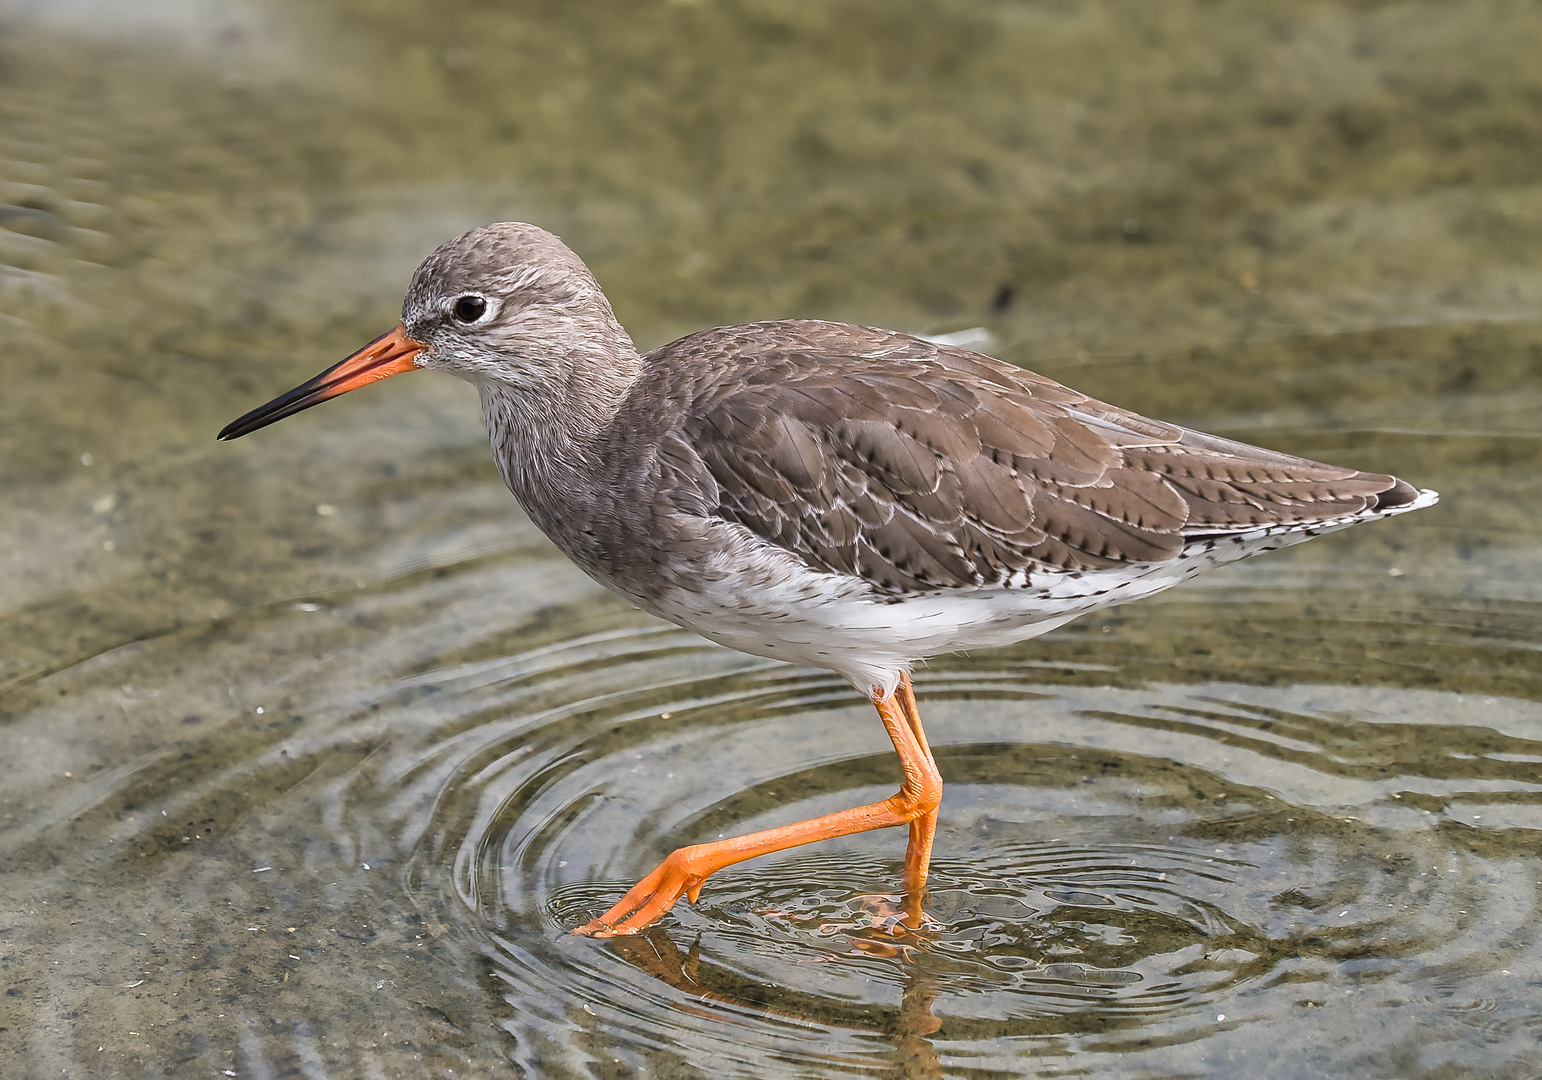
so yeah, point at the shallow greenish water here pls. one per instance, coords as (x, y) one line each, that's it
(314, 749)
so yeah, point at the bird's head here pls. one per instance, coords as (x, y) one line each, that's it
(507, 303)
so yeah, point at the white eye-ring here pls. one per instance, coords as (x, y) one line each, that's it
(468, 308)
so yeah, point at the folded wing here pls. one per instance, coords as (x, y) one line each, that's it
(922, 467)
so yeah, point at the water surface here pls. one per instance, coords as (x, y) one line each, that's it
(315, 749)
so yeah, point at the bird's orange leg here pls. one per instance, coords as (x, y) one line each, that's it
(918, 853)
(683, 872)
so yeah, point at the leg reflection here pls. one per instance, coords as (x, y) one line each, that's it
(909, 1028)
(916, 1057)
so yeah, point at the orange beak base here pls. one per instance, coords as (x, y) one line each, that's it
(390, 354)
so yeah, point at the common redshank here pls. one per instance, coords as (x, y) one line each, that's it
(846, 497)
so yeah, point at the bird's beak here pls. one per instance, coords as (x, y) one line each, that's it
(390, 354)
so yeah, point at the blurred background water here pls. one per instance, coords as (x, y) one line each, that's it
(312, 749)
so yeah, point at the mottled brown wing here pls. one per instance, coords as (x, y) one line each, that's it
(922, 467)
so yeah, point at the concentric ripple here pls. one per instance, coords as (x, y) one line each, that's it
(1114, 868)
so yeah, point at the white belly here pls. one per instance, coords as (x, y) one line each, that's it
(771, 604)
(760, 599)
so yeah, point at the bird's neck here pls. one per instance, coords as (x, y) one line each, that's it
(545, 436)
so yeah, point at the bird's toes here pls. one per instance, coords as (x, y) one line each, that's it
(648, 899)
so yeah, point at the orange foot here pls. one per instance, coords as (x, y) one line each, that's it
(655, 894)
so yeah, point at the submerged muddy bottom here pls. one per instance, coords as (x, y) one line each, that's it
(313, 751)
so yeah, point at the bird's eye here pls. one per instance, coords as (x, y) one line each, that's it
(468, 309)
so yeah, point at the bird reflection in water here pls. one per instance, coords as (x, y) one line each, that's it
(883, 932)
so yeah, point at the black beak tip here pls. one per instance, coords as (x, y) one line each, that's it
(299, 399)
(236, 428)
